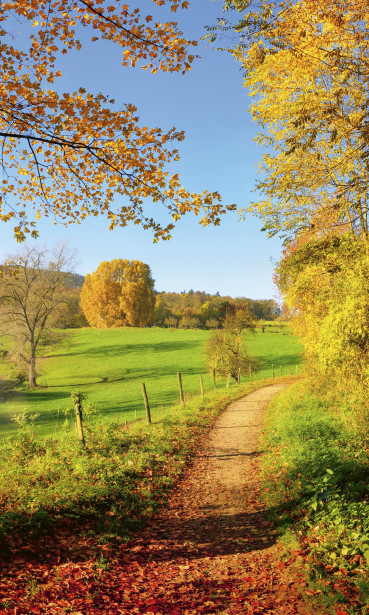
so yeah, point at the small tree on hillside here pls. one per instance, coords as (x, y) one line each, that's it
(226, 348)
(171, 322)
(31, 294)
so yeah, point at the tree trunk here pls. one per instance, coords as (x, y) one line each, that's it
(32, 370)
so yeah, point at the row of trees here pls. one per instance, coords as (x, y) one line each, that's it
(198, 309)
(121, 293)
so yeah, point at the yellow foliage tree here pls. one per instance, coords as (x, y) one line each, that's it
(119, 293)
(71, 155)
(306, 65)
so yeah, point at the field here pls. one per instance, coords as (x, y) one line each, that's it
(109, 365)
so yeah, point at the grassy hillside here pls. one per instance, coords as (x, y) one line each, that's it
(109, 365)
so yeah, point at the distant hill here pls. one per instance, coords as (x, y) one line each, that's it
(74, 280)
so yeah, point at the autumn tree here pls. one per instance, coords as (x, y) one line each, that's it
(162, 312)
(323, 276)
(119, 293)
(210, 315)
(226, 348)
(31, 294)
(71, 155)
(70, 315)
(306, 66)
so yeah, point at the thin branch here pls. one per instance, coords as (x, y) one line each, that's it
(120, 27)
(38, 170)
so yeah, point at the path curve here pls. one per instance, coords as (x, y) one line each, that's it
(214, 528)
(209, 551)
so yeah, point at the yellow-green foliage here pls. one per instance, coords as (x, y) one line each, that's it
(316, 472)
(326, 282)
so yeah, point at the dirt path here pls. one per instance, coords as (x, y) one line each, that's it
(218, 503)
(210, 551)
(214, 529)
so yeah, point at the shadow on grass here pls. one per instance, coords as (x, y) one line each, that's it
(347, 486)
(154, 373)
(284, 360)
(114, 350)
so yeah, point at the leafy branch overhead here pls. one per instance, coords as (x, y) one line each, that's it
(72, 155)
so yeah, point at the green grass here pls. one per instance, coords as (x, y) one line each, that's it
(109, 365)
(110, 486)
(316, 477)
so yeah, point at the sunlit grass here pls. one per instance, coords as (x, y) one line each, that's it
(316, 475)
(109, 365)
(122, 472)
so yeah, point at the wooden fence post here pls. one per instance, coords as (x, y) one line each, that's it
(250, 373)
(214, 380)
(147, 407)
(77, 400)
(239, 376)
(228, 380)
(180, 388)
(201, 387)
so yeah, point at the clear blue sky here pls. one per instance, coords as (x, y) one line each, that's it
(211, 105)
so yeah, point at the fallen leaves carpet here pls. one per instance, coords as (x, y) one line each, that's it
(210, 550)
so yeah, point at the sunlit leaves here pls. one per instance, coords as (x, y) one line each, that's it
(306, 65)
(73, 155)
(119, 293)
(324, 278)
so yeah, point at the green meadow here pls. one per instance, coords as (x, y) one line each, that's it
(109, 365)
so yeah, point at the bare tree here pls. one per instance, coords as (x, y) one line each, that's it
(31, 285)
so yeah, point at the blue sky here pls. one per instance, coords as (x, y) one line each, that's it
(211, 105)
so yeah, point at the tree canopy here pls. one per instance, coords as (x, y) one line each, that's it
(119, 293)
(72, 155)
(306, 65)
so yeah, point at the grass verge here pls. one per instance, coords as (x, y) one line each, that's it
(316, 471)
(51, 485)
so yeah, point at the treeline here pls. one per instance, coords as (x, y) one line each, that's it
(186, 310)
(200, 310)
